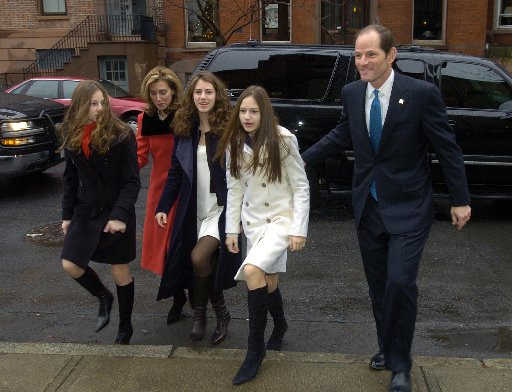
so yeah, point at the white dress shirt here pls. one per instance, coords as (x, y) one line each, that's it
(384, 97)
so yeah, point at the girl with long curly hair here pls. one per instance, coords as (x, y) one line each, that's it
(101, 184)
(268, 192)
(197, 257)
(162, 90)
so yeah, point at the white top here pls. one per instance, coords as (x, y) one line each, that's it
(384, 96)
(206, 201)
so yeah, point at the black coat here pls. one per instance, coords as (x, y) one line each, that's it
(102, 188)
(181, 185)
(416, 119)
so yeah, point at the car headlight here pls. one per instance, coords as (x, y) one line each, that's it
(16, 126)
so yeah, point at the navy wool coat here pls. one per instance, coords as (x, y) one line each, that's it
(181, 185)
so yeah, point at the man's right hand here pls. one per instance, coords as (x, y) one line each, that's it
(232, 243)
(65, 226)
(161, 219)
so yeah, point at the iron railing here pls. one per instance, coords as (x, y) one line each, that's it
(93, 28)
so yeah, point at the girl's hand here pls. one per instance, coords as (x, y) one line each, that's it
(65, 226)
(296, 242)
(114, 226)
(161, 219)
(232, 243)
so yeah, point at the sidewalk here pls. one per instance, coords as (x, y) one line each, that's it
(28, 367)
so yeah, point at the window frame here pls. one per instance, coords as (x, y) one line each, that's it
(290, 17)
(431, 42)
(45, 13)
(496, 18)
(196, 44)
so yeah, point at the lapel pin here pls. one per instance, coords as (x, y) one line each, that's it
(401, 101)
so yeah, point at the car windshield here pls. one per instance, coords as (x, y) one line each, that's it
(113, 90)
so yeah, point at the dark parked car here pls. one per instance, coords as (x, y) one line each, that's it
(305, 83)
(28, 141)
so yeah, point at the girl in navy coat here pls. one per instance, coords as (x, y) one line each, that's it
(101, 184)
(197, 257)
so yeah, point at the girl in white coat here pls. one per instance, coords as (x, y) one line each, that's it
(268, 192)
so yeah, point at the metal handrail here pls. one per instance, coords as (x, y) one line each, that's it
(93, 28)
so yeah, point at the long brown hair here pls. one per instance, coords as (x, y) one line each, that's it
(187, 114)
(161, 73)
(267, 138)
(108, 127)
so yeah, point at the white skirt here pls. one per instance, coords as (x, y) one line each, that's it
(210, 224)
(267, 247)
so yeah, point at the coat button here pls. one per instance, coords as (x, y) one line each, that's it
(269, 220)
(246, 183)
(264, 185)
(247, 204)
(248, 223)
(266, 204)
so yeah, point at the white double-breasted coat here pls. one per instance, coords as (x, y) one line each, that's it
(268, 211)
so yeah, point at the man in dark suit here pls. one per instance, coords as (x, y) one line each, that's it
(390, 120)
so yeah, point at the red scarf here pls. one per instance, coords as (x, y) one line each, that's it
(86, 138)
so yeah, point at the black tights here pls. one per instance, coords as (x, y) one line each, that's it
(202, 255)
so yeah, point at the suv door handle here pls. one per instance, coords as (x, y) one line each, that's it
(452, 123)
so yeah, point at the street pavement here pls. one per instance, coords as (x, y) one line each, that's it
(39, 367)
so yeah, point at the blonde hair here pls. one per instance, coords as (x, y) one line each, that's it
(161, 73)
(108, 127)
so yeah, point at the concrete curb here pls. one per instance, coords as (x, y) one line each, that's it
(167, 351)
(139, 351)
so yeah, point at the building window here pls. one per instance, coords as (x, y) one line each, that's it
(53, 7)
(276, 20)
(342, 19)
(503, 13)
(198, 15)
(429, 21)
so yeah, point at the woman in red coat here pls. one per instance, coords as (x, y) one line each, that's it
(162, 90)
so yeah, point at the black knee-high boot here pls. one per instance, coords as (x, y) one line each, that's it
(200, 302)
(92, 283)
(176, 311)
(275, 308)
(258, 304)
(125, 295)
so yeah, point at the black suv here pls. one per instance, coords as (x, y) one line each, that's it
(28, 140)
(305, 82)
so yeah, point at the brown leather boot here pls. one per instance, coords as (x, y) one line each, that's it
(200, 301)
(223, 317)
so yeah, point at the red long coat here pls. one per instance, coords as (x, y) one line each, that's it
(155, 240)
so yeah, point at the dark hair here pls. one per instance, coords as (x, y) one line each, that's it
(386, 37)
(267, 138)
(187, 115)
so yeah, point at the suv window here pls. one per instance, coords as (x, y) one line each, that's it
(68, 86)
(474, 86)
(284, 75)
(412, 68)
(44, 89)
(346, 72)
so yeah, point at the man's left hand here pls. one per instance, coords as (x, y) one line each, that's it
(460, 216)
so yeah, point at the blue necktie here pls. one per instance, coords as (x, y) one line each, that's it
(375, 132)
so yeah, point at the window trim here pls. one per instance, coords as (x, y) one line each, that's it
(194, 44)
(496, 18)
(290, 17)
(430, 42)
(43, 12)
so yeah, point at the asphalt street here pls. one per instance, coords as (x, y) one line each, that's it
(465, 283)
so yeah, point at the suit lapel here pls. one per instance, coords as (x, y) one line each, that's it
(397, 103)
(361, 107)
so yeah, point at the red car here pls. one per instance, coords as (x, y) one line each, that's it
(60, 89)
